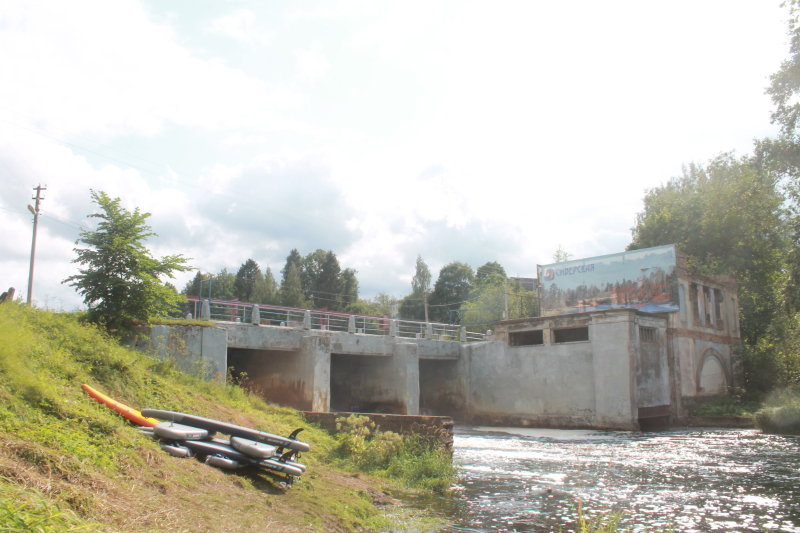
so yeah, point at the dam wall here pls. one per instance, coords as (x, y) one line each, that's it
(615, 369)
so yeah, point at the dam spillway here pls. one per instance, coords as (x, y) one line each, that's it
(607, 369)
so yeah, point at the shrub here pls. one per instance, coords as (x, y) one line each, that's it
(411, 459)
(734, 404)
(781, 414)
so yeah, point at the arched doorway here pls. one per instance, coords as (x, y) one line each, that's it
(712, 378)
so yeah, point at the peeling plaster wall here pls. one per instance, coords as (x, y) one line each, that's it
(195, 349)
(596, 383)
(547, 385)
(652, 367)
(615, 354)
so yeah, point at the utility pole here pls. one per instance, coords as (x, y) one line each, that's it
(505, 283)
(426, 307)
(35, 212)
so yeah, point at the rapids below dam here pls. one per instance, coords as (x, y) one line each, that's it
(693, 480)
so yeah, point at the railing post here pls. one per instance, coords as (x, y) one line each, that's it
(428, 330)
(205, 312)
(463, 334)
(307, 320)
(351, 324)
(393, 328)
(255, 316)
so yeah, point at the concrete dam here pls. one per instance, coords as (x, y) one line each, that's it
(592, 367)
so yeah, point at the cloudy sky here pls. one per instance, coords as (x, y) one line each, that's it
(471, 131)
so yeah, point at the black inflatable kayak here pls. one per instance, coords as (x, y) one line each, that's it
(215, 448)
(229, 429)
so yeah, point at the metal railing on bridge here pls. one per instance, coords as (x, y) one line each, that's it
(276, 315)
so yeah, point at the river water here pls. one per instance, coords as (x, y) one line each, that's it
(692, 480)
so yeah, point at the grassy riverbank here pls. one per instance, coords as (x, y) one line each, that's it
(67, 461)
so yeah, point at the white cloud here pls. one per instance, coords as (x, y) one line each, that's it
(240, 26)
(451, 130)
(312, 63)
(107, 69)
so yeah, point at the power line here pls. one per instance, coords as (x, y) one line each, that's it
(45, 216)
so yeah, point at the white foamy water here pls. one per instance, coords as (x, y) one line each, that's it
(694, 480)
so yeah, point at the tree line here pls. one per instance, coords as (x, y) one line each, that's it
(311, 282)
(459, 287)
(318, 281)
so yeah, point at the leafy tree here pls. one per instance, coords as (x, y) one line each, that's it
(292, 290)
(784, 85)
(728, 217)
(224, 285)
(120, 281)
(452, 288)
(492, 267)
(421, 282)
(487, 300)
(192, 288)
(378, 306)
(266, 290)
(561, 256)
(327, 283)
(412, 307)
(322, 281)
(784, 152)
(349, 285)
(294, 258)
(309, 270)
(247, 279)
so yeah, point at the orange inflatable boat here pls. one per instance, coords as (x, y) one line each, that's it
(131, 414)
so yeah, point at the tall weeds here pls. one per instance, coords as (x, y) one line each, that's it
(408, 458)
(781, 414)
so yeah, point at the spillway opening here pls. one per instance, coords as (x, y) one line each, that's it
(365, 384)
(440, 391)
(276, 376)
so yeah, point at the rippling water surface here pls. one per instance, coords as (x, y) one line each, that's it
(694, 480)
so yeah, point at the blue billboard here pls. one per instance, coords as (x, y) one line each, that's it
(640, 279)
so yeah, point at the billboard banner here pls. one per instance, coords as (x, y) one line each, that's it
(641, 279)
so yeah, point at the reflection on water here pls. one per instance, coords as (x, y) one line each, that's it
(696, 480)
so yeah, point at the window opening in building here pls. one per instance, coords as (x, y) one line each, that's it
(570, 335)
(648, 334)
(718, 308)
(695, 298)
(707, 304)
(526, 338)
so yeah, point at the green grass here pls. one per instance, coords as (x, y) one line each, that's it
(69, 462)
(726, 406)
(30, 511)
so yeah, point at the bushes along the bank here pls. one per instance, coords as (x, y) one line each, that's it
(781, 415)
